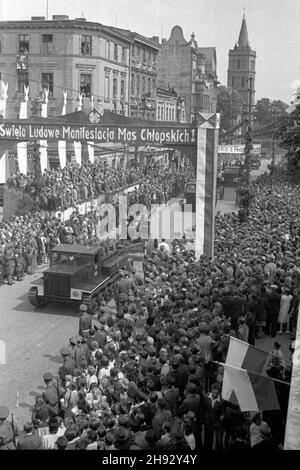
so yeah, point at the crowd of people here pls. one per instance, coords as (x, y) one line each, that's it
(144, 373)
(26, 240)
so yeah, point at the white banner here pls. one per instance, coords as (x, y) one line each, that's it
(91, 151)
(77, 145)
(237, 148)
(22, 146)
(62, 146)
(43, 143)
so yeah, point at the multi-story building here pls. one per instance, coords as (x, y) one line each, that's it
(62, 54)
(241, 67)
(169, 106)
(190, 70)
(143, 74)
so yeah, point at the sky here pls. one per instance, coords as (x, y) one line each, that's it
(273, 29)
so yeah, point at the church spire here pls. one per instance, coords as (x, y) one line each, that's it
(243, 37)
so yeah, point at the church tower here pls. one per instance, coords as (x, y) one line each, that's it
(241, 67)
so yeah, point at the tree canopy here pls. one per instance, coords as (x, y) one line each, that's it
(230, 106)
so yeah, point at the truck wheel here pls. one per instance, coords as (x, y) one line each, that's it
(33, 298)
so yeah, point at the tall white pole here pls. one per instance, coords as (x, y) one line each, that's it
(292, 429)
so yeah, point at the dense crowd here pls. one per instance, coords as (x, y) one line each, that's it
(26, 240)
(145, 373)
(58, 189)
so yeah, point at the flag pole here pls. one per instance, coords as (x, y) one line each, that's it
(254, 373)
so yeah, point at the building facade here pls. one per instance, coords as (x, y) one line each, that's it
(169, 106)
(143, 74)
(190, 70)
(241, 68)
(78, 56)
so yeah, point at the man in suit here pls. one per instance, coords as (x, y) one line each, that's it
(68, 366)
(214, 416)
(29, 441)
(274, 307)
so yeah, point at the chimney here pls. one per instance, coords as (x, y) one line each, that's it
(155, 38)
(38, 18)
(163, 41)
(60, 17)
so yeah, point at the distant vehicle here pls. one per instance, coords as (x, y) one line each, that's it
(190, 194)
(73, 275)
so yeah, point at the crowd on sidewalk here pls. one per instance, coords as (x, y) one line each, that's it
(26, 240)
(145, 374)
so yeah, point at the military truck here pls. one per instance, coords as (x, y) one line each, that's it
(78, 274)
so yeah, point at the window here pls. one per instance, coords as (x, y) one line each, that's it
(47, 43)
(124, 55)
(86, 85)
(144, 55)
(107, 88)
(86, 45)
(132, 84)
(24, 43)
(138, 85)
(47, 38)
(116, 55)
(238, 64)
(122, 89)
(233, 82)
(47, 82)
(149, 84)
(107, 50)
(0, 46)
(243, 82)
(115, 87)
(23, 80)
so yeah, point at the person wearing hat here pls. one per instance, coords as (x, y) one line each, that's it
(207, 344)
(9, 257)
(29, 441)
(68, 366)
(123, 441)
(8, 430)
(85, 320)
(51, 395)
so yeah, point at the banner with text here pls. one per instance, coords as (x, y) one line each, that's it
(176, 135)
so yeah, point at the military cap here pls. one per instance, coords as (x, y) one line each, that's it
(48, 376)
(64, 351)
(83, 308)
(4, 412)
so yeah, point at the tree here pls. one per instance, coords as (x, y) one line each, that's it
(267, 112)
(287, 132)
(230, 107)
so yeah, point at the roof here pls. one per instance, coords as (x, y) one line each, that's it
(136, 37)
(243, 37)
(76, 249)
(61, 268)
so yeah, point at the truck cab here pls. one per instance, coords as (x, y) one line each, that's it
(77, 274)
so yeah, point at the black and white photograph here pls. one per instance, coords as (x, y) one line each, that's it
(149, 228)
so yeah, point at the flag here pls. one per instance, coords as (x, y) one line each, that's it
(244, 356)
(43, 143)
(206, 178)
(252, 392)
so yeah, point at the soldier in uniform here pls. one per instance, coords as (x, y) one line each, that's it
(29, 258)
(20, 262)
(51, 395)
(85, 321)
(68, 366)
(100, 257)
(10, 263)
(8, 430)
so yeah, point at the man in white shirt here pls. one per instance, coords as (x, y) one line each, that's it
(49, 440)
(165, 245)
